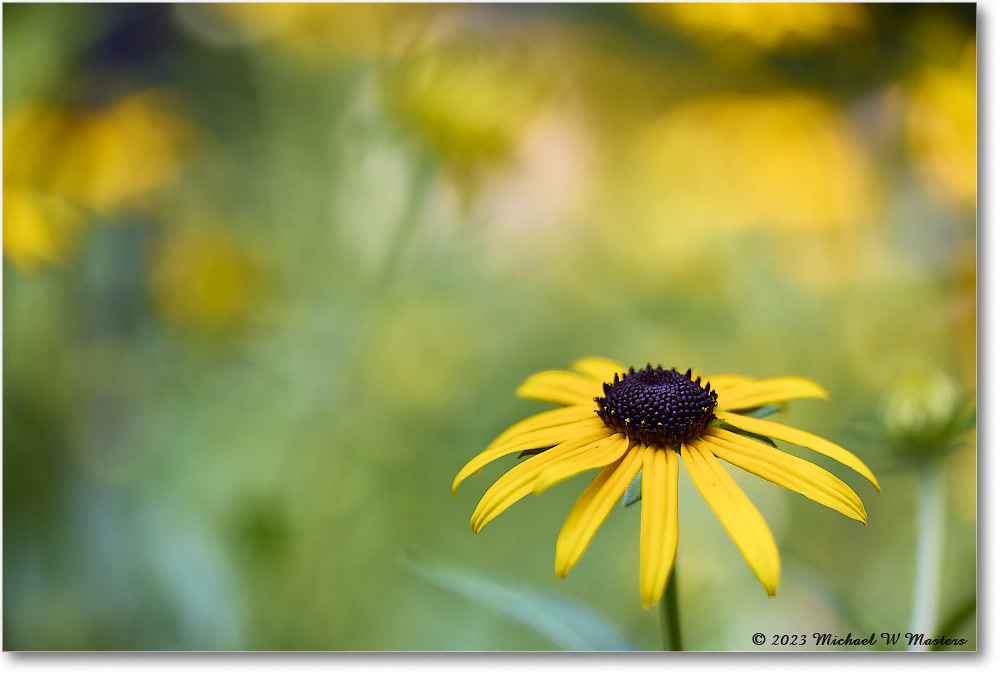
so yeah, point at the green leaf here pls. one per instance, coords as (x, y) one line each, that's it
(633, 492)
(756, 437)
(965, 422)
(762, 411)
(566, 623)
(531, 453)
(963, 613)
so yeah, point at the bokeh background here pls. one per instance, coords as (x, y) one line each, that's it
(272, 273)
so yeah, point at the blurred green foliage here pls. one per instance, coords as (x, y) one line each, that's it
(272, 274)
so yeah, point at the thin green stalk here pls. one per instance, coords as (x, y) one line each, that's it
(930, 532)
(965, 612)
(423, 181)
(671, 615)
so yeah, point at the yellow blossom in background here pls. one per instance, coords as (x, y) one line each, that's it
(470, 98)
(762, 25)
(34, 135)
(785, 161)
(787, 165)
(39, 224)
(941, 128)
(119, 155)
(61, 165)
(202, 279)
(318, 29)
(38, 227)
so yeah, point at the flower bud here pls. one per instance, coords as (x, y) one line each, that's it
(922, 409)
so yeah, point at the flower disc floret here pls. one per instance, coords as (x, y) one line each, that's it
(657, 406)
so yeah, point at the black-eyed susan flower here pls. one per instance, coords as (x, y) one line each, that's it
(623, 421)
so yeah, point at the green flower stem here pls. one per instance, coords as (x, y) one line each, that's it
(671, 615)
(930, 532)
(424, 175)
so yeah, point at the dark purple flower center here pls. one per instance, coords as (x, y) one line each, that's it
(658, 406)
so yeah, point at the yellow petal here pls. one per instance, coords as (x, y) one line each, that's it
(785, 470)
(722, 383)
(560, 386)
(593, 507)
(546, 420)
(742, 520)
(599, 368)
(773, 390)
(658, 533)
(517, 482)
(587, 429)
(798, 437)
(608, 451)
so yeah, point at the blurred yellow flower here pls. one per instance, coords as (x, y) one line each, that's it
(202, 280)
(38, 227)
(61, 165)
(119, 155)
(775, 161)
(318, 29)
(763, 25)
(788, 165)
(39, 224)
(941, 127)
(625, 421)
(33, 136)
(470, 98)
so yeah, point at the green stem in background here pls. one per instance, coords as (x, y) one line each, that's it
(965, 612)
(930, 532)
(424, 174)
(671, 615)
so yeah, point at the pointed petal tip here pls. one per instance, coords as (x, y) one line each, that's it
(819, 391)
(564, 563)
